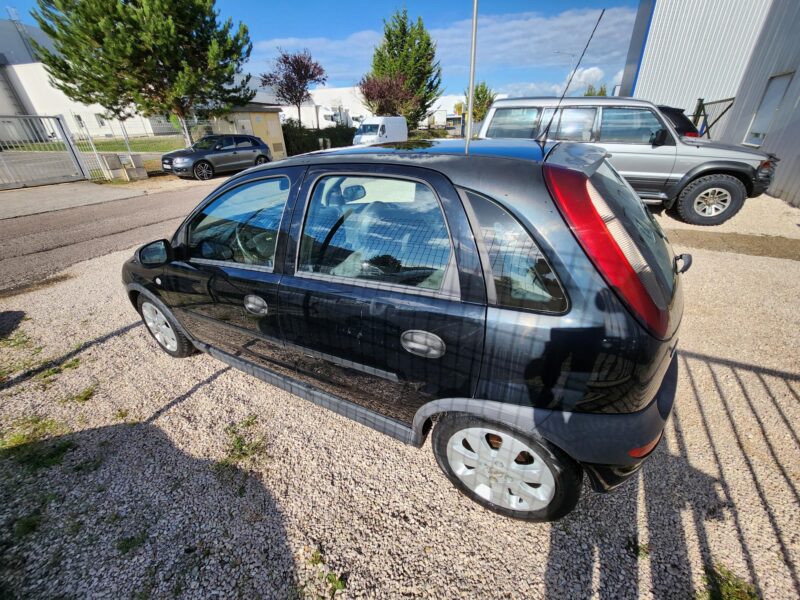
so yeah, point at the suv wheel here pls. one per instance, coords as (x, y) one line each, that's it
(203, 171)
(711, 200)
(504, 470)
(261, 160)
(164, 329)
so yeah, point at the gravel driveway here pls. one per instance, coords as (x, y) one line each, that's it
(125, 473)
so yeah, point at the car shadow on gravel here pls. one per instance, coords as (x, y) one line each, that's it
(9, 321)
(122, 512)
(609, 545)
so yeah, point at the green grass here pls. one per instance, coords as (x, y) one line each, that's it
(722, 584)
(19, 339)
(83, 396)
(27, 525)
(29, 444)
(128, 544)
(46, 376)
(162, 143)
(121, 414)
(242, 443)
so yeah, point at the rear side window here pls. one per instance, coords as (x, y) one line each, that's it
(513, 123)
(628, 125)
(376, 228)
(642, 227)
(521, 276)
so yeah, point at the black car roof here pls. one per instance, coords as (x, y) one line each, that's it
(521, 149)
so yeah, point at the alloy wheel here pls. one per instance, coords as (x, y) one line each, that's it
(203, 171)
(159, 326)
(712, 202)
(501, 468)
(261, 160)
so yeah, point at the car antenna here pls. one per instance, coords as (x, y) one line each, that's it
(543, 136)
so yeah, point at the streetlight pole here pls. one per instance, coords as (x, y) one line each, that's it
(471, 74)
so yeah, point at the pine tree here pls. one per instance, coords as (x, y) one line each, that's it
(409, 52)
(146, 56)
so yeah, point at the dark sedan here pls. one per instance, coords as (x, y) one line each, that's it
(216, 154)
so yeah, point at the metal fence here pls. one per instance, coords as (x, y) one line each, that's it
(37, 150)
(712, 115)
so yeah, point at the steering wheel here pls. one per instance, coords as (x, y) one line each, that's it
(255, 247)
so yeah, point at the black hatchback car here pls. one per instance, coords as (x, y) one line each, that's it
(519, 297)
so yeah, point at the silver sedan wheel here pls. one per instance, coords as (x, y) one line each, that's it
(159, 326)
(712, 202)
(500, 468)
(203, 171)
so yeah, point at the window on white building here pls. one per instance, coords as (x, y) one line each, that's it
(770, 102)
(100, 120)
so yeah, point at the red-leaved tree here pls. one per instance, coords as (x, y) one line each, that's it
(291, 76)
(387, 95)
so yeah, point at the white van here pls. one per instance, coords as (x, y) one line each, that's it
(379, 130)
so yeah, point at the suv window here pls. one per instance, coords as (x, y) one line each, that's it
(574, 125)
(241, 225)
(628, 125)
(243, 142)
(513, 123)
(522, 278)
(227, 143)
(375, 228)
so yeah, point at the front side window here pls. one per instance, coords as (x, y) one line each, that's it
(228, 143)
(521, 275)
(513, 123)
(628, 125)
(241, 225)
(367, 129)
(773, 95)
(377, 229)
(207, 143)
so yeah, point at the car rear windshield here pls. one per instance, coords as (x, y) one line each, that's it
(640, 225)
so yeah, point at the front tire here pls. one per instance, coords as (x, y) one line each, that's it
(506, 471)
(163, 328)
(203, 171)
(260, 160)
(711, 200)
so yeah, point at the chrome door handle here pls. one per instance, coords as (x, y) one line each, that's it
(255, 305)
(423, 343)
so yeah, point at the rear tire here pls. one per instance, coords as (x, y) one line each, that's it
(711, 200)
(506, 471)
(261, 160)
(163, 328)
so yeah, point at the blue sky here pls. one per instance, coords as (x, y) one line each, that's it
(524, 47)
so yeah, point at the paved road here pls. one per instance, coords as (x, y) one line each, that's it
(34, 247)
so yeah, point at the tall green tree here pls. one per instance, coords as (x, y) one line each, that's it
(146, 56)
(481, 101)
(408, 51)
(593, 91)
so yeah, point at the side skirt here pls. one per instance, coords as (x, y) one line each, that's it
(345, 408)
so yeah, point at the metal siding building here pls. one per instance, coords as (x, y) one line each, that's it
(776, 53)
(682, 50)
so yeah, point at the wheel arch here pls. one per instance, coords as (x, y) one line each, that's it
(743, 172)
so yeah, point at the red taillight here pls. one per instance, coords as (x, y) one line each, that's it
(646, 449)
(608, 244)
(691, 134)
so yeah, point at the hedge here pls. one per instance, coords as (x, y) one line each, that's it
(300, 140)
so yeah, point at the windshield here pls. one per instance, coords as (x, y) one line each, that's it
(206, 143)
(369, 129)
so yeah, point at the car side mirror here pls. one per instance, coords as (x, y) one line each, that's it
(155, 253)
(354, 192)
(215, 251)
(658, 138)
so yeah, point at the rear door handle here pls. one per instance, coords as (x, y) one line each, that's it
(423, 343)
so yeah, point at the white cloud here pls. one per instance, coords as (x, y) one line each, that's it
(583, 78)
(516, 41)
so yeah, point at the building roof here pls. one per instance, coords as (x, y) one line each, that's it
(257, 107)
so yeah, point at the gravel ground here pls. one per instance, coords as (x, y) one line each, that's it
(160, 477)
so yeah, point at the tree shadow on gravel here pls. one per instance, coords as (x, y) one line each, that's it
(599, 549)
(9, 321)
(121, 512)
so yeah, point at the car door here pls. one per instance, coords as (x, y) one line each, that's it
(246, 152)
(224, 284)
(224, 155)
(382, 303)
(628, 133)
